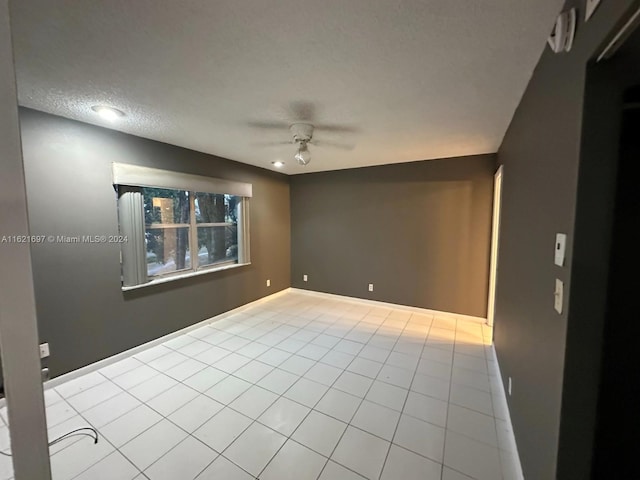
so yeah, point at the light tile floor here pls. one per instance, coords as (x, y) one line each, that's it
(297, 387)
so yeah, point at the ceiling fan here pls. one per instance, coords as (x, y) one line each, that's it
(302, 130)
(302, 135)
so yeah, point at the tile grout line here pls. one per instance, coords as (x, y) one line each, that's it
(415, 371)
(356, 411)
(408, 390)
(115, 449)
(493, 418)
(345, 370)
(495, 426)
(446, 421)
(144, 403)
(202, 393)
(369, 389)
(297, 324)
(319, 400)
(407, 397)
(280, 396)
(256, 420)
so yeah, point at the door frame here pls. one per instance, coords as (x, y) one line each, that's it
(18, 325)
(495, 244)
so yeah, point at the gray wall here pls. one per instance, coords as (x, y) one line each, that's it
(542, 154)
(420, 232)
(82, 312)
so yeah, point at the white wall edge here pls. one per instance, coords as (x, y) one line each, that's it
(54, 382)
(396, 306)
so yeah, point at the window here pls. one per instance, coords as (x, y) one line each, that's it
(174, 232)
(166, 231)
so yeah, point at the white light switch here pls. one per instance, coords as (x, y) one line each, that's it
(560, 247)
(590, 8)
(558, 296)
(44, 350)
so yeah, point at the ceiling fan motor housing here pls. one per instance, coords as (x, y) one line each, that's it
(302, 132)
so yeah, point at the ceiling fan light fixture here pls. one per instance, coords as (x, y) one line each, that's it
(303, 155)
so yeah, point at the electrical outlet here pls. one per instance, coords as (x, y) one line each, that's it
(304, 278)
(268, 283)
(509, 386)
(371, 287)
(558, 296)
(44, 350)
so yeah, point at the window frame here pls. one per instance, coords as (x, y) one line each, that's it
(132, 224)
(195, 225)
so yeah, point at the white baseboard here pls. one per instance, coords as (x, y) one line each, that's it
(396, 306)
(507, 413)
(54, 382)
(132, 351)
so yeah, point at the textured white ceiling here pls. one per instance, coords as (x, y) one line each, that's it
(412, 80)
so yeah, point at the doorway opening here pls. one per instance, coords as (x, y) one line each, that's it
(601, 385)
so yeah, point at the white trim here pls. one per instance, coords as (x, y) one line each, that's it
(18, 319)
(194, 250)
(139, 176)
(168, 225)
(493, 359)
(495, 245)
(244, 231)
(620, 37)
(219, 224)
(396, 306)
(169, 277)
(132, 351)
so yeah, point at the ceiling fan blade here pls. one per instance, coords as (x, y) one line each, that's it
(302, 111)
(272, 144)
(325, 143)
(269, 125)
(336, 128)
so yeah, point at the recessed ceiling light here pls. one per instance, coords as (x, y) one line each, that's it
(278, 164)
(108, 113)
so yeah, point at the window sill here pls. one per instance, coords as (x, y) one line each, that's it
(180, 276)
